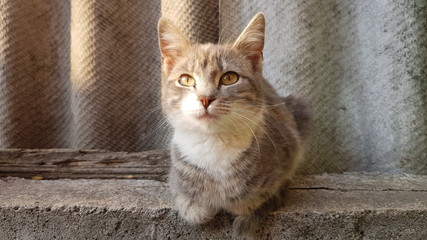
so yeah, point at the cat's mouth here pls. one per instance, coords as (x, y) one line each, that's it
(207, 116)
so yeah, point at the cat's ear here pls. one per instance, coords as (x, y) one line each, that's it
(172, 42)
(251, 40)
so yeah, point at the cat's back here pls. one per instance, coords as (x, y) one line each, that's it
(292, 111)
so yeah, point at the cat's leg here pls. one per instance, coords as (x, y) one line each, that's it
(250, 216)
(248, 220)
(192, 211)
(246, 224)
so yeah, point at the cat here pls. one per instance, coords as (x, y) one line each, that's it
(236, 143)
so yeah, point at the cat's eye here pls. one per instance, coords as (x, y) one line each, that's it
(187, 81)
(229, 78)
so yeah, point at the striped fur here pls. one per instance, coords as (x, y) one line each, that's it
(238, 153)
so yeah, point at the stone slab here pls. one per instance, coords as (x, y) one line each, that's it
(328, 206)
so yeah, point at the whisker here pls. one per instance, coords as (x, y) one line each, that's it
(256, 139)
(234, 124)
(262, 119)
(154, 110)
(162, 126)
(263, 102)
(222, 30)
(256, 124)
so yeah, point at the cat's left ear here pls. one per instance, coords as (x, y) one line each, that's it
(172, 42)
(251, 41)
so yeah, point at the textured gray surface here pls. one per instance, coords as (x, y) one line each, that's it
(349, 206)
(79, 74)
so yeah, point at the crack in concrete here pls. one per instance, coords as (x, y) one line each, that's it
(357, 189)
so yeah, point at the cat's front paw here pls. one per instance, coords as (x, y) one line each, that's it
(196, 214)
(192, 212)
(245, 225)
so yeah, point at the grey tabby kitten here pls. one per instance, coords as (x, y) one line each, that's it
(235, 142)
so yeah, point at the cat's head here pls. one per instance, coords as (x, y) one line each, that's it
(212, 87)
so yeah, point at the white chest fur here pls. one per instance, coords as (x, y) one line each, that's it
(213, 152)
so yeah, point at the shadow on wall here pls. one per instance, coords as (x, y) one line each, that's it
(34, 74)
(79, 74)
(115, 75)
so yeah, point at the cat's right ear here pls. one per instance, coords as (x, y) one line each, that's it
(172, 42)
(251, 41)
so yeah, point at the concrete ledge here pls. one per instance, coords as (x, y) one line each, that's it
(330, 206)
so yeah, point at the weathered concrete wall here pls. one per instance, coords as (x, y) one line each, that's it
(348, 206)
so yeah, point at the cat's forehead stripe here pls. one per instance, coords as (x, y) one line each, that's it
(219, 63)
(207, 61)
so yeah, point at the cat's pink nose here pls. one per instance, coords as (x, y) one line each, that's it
(206, 101)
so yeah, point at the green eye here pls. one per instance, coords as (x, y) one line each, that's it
(229, 78)
(187, 81)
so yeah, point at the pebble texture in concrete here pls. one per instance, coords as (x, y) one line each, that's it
(330, 206)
